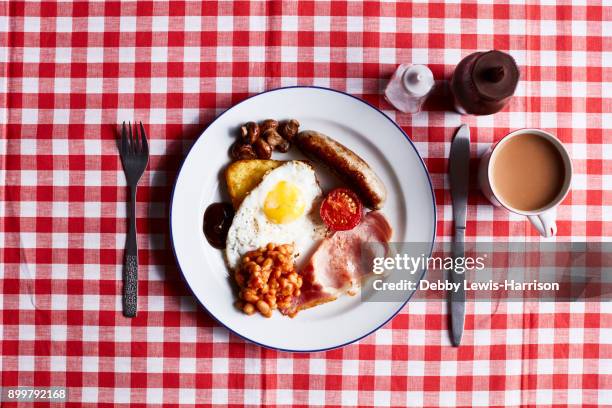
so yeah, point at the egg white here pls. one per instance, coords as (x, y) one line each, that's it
(251, 229)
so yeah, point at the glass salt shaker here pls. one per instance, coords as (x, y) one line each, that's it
(408, 87)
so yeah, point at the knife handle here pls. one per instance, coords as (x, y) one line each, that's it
(459, 243)
(457, 298)
(458, 252)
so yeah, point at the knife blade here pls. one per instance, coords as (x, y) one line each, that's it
(459, 174)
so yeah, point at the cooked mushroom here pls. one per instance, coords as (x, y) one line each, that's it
(262, 149)
(268, 124)
(242, 151)
(272, 137)
(283, 146)
(289, 128)
(249, 132)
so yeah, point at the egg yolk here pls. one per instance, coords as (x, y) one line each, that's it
(284, 203)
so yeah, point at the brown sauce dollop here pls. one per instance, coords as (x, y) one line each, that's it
(217, 220)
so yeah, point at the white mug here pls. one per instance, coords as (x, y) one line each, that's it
(543, 219)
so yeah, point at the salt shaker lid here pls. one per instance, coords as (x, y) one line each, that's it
(418, 80)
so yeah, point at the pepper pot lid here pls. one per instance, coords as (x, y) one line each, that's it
(495, 75)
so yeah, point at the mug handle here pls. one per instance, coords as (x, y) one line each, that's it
(545, 223)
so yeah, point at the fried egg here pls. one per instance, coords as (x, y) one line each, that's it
(282, 209)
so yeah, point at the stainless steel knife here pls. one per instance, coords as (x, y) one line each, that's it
(459, 174)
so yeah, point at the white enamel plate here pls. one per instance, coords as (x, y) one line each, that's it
(410, 208)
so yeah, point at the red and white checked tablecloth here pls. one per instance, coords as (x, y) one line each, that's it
(71, 71)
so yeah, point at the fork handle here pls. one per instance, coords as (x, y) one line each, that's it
(130, 265)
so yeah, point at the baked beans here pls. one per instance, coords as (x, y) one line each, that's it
(267, 280)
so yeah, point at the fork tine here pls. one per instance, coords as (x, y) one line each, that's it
(143, 139)
(124, 141)
(132, 151)
(136, 139)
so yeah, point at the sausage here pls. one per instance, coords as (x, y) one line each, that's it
(345, 164)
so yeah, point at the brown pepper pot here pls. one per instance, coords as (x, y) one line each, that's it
(484, 82)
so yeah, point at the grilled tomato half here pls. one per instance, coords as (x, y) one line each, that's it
(341, 210)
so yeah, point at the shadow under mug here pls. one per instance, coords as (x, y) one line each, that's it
(543, 219)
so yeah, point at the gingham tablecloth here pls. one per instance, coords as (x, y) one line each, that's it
(70, 72)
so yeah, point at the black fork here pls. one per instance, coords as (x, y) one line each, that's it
(134, 151)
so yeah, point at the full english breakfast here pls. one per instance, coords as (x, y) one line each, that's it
(288, 244)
